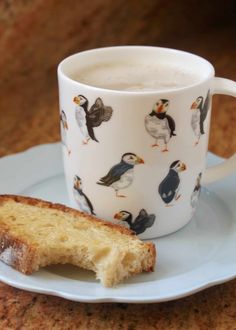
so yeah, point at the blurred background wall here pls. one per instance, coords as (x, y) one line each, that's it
(35, 35)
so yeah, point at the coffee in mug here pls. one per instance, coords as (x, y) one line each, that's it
(136, 76)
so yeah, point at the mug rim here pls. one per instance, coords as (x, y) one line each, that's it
(63, 75)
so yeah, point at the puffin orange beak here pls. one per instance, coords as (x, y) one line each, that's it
(194, 105)
(160, 108)
(77, 184)
(76, 100)
(117, 216)
(140, 160)
(183, 167)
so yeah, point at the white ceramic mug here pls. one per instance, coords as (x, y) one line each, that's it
(113, 142)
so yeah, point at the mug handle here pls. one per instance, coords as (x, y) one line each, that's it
(218, 172)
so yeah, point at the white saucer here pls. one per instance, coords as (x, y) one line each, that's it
(200, 255)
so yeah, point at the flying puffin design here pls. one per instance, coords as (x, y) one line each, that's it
(199, 113)
(64, 129)
(82, 200)
(160, 125)
(121, 175)
(88, 119)
(140, 224)
(196, 192)
(169, 187)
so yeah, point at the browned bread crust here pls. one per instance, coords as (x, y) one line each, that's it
(18, 253)
(45, 204)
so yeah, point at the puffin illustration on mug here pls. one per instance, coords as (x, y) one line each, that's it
(87, 119)
(140, 223)
(199, 110)
(64, 130)
(121, 175)
(170, 185)
(81, 199)
(160, 125)
(196, 192)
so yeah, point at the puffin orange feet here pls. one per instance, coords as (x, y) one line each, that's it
(196, 142)
(86, 141)
(118, 195)
(177, 197)
(165, 149)
(154, 145)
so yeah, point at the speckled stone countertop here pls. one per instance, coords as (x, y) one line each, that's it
(34, 37)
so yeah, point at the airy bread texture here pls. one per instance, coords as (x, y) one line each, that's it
(35, 233)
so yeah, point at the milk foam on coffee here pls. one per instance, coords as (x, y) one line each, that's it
(126, 76)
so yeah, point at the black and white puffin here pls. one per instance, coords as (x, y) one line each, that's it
(121, 175)
(199, 113)
(196, 191)
(82, 200)
(88, 119)
(169, 187)
(160, 125)
(141, 222)
(64, 129)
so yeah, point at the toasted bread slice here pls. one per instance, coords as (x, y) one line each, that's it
(36, 233)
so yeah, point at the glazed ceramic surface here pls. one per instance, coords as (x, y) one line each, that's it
(136, 158)
(199, 255)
